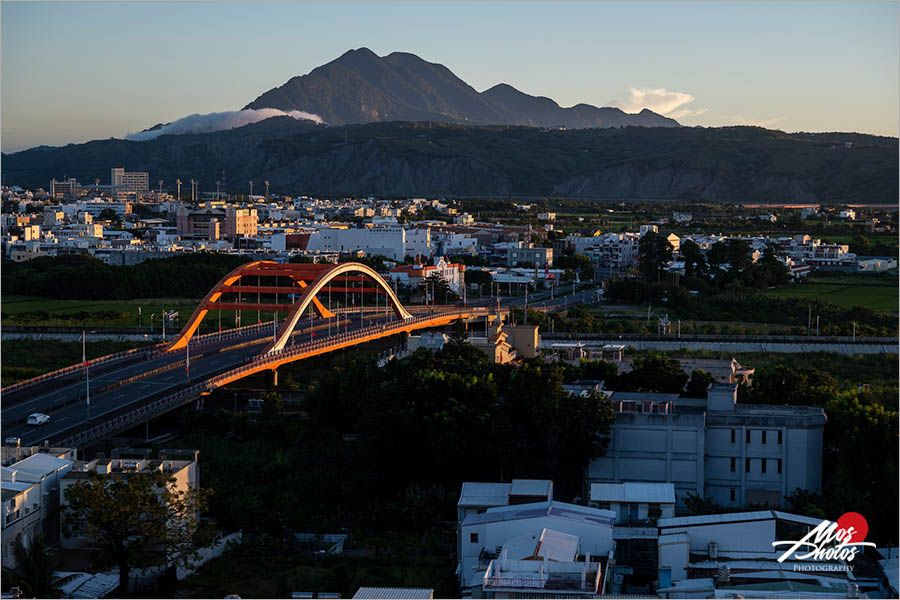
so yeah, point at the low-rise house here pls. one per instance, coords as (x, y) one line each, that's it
(635, 501)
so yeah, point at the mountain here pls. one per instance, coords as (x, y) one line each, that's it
(361, 87)
(401, 159)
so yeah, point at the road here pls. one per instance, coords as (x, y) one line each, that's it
(67, 407)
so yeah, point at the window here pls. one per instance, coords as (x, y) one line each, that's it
(733, 464)
(733, 435)
(747, 466)
(473, 538)
(763, 439)
(779, 436)
(748, 436)
(763, 461)
(779, 466)
(732, 494)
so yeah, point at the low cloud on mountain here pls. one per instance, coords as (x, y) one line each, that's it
(219, 122)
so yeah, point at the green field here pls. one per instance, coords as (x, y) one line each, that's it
(845, 291)
(24, 359)
(33, 310)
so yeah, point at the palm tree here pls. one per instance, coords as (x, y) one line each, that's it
(35, 571)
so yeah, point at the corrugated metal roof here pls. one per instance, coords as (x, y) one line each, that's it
(632, 491)
(398, 593)
(484, 494)
(531, 487)
(559, 546)
(673, 538)
(41, 464)
(759, 515)
(783, 516)
(542, 509)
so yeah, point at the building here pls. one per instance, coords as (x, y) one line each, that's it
(848, 214)
(182, 465)
(68, 188)
(495, 343)
(240, 222)
(514, 532)
(413, 275)
(207, 223)
(386, 593)
(129, 181)
(546, 216)
(635, 501)
(539, 257)
(31, 492)
(389, 241)
(734, 454)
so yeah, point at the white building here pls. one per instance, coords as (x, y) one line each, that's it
(848, 214)
(635, 500)
(733, 453)
(389, 242)
(546, 216)
(133, 181)
(413, 275)
(516, 529)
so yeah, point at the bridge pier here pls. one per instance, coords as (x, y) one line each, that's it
(273, 378)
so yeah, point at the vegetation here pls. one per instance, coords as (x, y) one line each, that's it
(84, 277)
(35, 570)
(139, 519)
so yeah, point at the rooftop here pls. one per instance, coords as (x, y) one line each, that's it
(41, 464)
(531, 487)
(484, 494)
(633, 492)
(534, 510)
(394, 593)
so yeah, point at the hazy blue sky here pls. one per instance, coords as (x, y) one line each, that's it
(77, 71)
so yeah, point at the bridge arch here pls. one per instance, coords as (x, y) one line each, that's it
(309, 279)
(313, 288)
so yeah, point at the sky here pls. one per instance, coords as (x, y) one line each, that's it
(76, 71)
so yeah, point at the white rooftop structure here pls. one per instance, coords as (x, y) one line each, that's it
(484, 494)
(558, 546)
(41, 464)
(531, 487)
(561, 510)
(632, 492)
(760, 515)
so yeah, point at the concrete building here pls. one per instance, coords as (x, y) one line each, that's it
(634, 500)
(413, 275)
(732, 453)
(514, 533)
(31, 493)
(130, 181)
(536, 256)
(389, 242)
(182, 465)
(240, 222)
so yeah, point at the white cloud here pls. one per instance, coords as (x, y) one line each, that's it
(737, 120)
(687, 113)
(658, 100)
(219, 122)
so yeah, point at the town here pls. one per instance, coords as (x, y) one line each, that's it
(680, 469)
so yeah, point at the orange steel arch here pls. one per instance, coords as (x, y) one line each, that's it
(309, 278)
(299, 273)
(309, 295)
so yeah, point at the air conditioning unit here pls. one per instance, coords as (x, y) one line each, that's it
(713, 551)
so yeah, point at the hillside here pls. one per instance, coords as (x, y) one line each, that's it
(361, 87)
(737, 164)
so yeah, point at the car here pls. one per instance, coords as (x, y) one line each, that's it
(13, 441)
(38, 419)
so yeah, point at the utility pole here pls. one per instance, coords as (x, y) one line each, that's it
(854, 331)
(87, 377)
(809, 320)
(178, 187)
(187, 362)
(817, 325)
(164, 325)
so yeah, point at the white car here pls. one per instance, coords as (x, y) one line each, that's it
(38, 419)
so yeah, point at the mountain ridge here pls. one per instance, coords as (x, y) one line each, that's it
(361, 87)
(397, 159)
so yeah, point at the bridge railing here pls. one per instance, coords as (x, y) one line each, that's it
(160, 405)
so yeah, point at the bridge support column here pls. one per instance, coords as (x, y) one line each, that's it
(273, 378)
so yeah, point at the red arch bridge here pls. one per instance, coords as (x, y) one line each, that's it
(312, 309)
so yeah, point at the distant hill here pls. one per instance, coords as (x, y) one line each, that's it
(732, 164)
(361, 87)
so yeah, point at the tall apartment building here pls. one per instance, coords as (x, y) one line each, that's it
(132, 181)
(733, 453)
(240, 222)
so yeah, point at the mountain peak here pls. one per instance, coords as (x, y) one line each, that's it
(361, 87)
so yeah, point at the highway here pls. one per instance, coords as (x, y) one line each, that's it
(66, 404)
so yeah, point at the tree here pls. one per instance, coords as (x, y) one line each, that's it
(653, 373)
(139, 519)
(437, 290)
(694, 261)
(700, 380)
(654, 253)
(35, 570)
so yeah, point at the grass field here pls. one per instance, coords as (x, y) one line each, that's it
(33, 310)
(845, 291)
